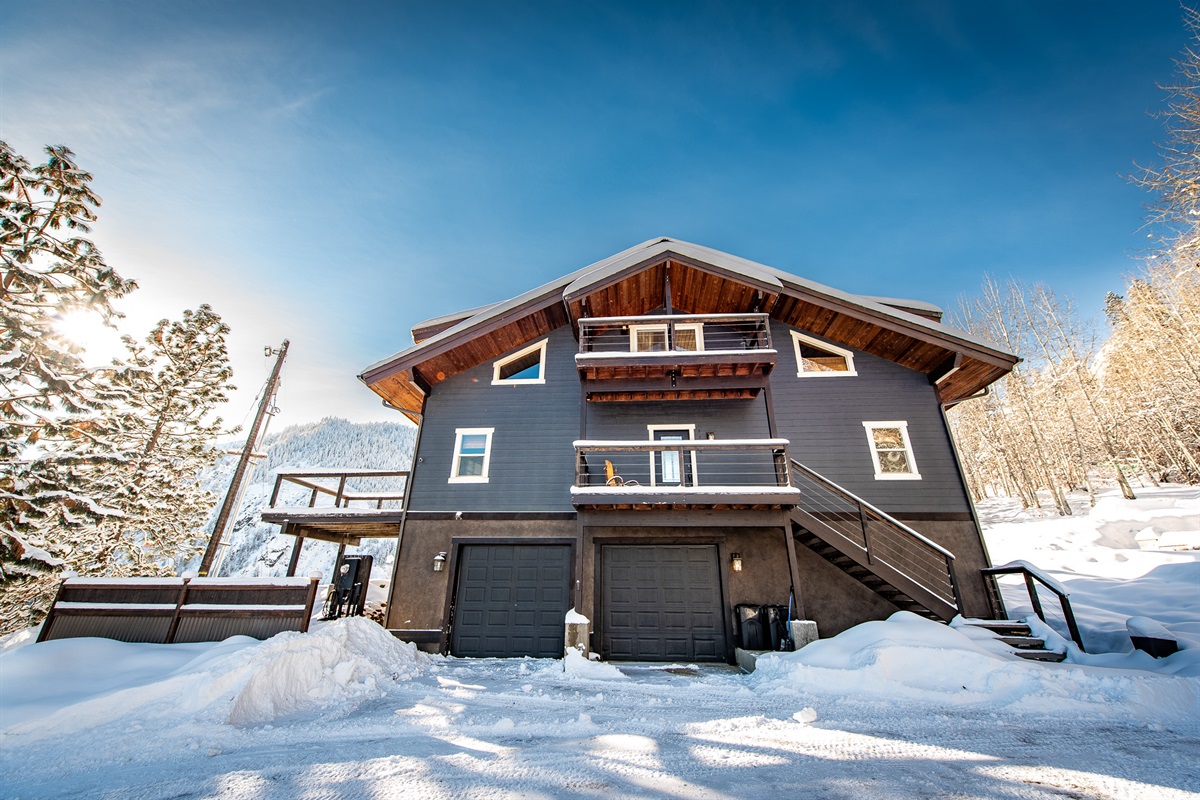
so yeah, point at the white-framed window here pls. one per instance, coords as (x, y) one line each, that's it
(891, 451)
(653, 338)
(666, 467)
(526, 366)
(815, 358)
(472, 455)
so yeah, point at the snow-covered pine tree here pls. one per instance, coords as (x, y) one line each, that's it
(170, 385)
(48, 398)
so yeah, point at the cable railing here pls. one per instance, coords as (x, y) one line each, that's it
(877, 537)
(656, 336)
(681, 465)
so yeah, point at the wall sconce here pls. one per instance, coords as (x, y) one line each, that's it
(711, 435)
(736, 559)
(439, 562)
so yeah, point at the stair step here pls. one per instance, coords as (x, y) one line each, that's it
(1003, 627)
(1041, 655)
(1024, 642)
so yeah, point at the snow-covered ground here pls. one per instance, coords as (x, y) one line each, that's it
(895, 709)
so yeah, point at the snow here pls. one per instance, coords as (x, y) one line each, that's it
(575, 618)
(897, 708)
(1151, 629)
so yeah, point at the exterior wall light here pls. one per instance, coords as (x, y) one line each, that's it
(736, 558)
(439, 562)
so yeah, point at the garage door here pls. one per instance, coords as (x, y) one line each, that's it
(511, 601)
(662, 603)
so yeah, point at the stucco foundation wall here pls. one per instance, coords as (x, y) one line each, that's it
(962, 539)
(419, 595)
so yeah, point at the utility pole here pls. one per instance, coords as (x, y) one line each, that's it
(231, 497)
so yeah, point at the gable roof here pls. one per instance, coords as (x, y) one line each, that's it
(700, 280)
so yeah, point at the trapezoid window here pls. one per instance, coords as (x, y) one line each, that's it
(472, 455)
(524, 366)
(891, 451)
(816, 358)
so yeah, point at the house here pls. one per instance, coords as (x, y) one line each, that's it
(672, 432)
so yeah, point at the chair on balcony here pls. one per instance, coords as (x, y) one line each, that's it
(613, 479)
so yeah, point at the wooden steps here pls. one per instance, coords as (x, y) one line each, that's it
(1020, 638)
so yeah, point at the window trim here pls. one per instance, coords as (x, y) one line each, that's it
(801, 372)
(500, 363)
(880, 475)
(675, 426)
(459, 433)
(698, 327)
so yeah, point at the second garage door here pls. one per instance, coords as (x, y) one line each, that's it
(662, 603)
(511, 600)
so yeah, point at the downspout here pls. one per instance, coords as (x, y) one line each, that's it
(408, 484)
(1000, 612)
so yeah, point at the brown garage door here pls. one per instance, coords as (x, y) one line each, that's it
(511, 600)
(662, 603)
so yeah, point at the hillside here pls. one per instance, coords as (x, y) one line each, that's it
(258, 549)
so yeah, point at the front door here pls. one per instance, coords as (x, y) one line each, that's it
(671, 467)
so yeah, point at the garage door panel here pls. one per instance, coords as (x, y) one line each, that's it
(667, 607)
(511, 600)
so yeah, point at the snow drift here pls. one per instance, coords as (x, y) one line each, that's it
(56, 687)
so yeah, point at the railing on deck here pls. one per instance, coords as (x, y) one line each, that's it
(666, 333)
(882, 538)
(334, 482)
(687, 464)
(1032, 574)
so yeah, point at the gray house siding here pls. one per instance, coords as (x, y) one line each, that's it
(532, 459)
(823, 417)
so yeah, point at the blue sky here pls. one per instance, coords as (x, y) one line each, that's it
(333, 173)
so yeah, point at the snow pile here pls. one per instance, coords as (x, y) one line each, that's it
(69, 685)
(1095, 556)
(909, 658)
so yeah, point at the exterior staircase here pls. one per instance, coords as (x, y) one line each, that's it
(880, 552)
(1020, 638)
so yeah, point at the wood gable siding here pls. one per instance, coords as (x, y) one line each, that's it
(532, 458)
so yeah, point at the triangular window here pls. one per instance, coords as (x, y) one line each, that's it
(524, 366)
(817, 358)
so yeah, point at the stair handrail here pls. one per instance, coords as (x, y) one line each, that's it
(1031, 574)
(853, 498)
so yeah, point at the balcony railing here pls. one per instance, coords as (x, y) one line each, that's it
(657, 336)
(699, 473)
(675, 356)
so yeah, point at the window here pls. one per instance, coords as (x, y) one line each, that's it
(653, 338)
(523, 366)
(816, 358)
(891, 451)
(666, 466)
(472, 455)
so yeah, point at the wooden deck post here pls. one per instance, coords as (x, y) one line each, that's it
(794, 569)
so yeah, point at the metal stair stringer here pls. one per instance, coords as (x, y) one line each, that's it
(874, 548)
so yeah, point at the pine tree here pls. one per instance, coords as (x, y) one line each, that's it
(48, 398)
(170, 386)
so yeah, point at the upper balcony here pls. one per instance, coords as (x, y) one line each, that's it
(675, 356)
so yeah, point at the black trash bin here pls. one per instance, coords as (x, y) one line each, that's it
(751, 633)
(775, 626)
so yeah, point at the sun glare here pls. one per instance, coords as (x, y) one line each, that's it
(100, 344)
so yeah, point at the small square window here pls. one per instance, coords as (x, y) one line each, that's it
(891, 451)
(522, 367)
(815, 358)
(472, 455)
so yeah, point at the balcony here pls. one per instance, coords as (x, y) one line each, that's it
(730, 474)
(674, 356)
